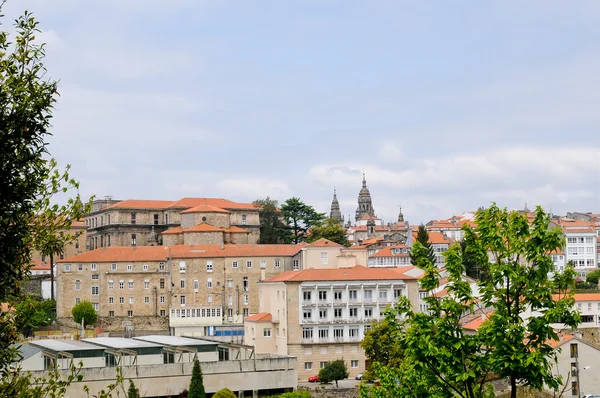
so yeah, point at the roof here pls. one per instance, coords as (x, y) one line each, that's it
(562, 338)
(387, 252)
(381, 228)
(65, 345)
(475, 323)
(435, 238)
(140, 204)
(372, 241)
(39, 266)
(174, 230)
(161, 253)
(176, 341)
(369, 217)
(356, 273)
(582, 296)
(121, 342)
(217, 202)
(204, 208)
(237, 230)
(260, 317)
(441, 293)
(26, 350)
(204, 227)
(324, 243)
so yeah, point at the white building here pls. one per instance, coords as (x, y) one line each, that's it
(581, 241)
(578, 363)
(391, 256)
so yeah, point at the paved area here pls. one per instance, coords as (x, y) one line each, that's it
(348, 383)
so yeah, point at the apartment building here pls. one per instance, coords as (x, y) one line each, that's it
(324, 253)
(391, 256)
(196, 286)
(319, 315)
(581, 242)
(164, 222)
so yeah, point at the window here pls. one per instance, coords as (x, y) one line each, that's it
(209, 298)
(182, 300)
(323, 364)
(397, 293)
(209, 283)
(353, 312)
(368, 313)
(338, 333)
(322, 314)
(146, 299)
(368, 295)
(324, 258)
(133, 239)
(245, 299)
(307, 315)
(383, 295)
(573, 351)
(306, 295)
(111, 314)
(589, 306)
(133, 218)
(353, 332)
(77, 284)
(182, 283)
(80, 267)
(337, 313)
(182, 267)
(95, 290)
(322, 295)
(209, 266)
(111, 286)
(574, 388)
(146, 284)
(277, 263)
(246, 312)
(307, 365)
(77, 300)
(129, 267)
(161, 266)
(113, 267)
(108, 239)
(145, 267)
(229, 282)
(234, 264)
(94, 267)
(337, 295)
(267, 332)
(245, 283)
(323, 334)
(196, 284)
(295, 264)
(163, 313)
(263, 264)
(162, 283)
(156, 219)
(130, 284)
(67, 267)
(121, 300)
(243, 219)
(307, 333)
(354, 363)
(162, 299)
(95, 277)
(249, 264)
(130, 300)
(130, 313)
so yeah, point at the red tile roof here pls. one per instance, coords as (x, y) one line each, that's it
(260, 317)
(174, 230)
(217, 202)
(160, 253)
(435, 238)
(40, 266)
(582, 296)
(324, 243)
(356, 273)
(387, 252)
(237, 230)
(205, 209)
(563, 338)
(204, 227)
(140, 204)
(475, 324)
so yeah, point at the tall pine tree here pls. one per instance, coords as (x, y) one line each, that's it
(197, 384)
(423, 239)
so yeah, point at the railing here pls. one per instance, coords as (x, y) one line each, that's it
(308, 302)
(307, 340)
(338, 339)
(339, 302)
(324, 301)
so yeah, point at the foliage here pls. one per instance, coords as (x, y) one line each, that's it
(196, 389)
(295, 394)
(514, 255)
(18, 384)
(330, 229)
(132, 392)
(472, 268)
(115, 387)
(380, 344)
(224, 393)
(333, 371)
(31, 312)
(592, 277)
(272, 228)
(300, 218)
(423, 239)
(84, 311)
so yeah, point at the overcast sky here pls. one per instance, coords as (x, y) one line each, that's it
(446, 105)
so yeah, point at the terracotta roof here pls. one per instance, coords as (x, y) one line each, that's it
(237, 230)
(368, 217)
(441, 293)
(435, 238)
(204, 227)
(563, 338)
(582, 296)
(476, 323)
(324, 243)
(174, 230)
(40, 266)
(205, 209)
(356, 273)
(372, 241)
(442, 224)
(387, 252)
(217, 202)
(576, 230)
(558, 250)
(140, 204)
(260, 317)
(160, 253)
(392, 228)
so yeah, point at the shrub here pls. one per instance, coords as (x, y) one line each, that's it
(224, 393)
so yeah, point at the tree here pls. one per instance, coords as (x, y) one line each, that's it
(132, 392)
(333, 371)
(84, 311)
(32, 312)
(272, 228)
(593, 277)
(514, 254)
(196, 389)
(224, 393)
(380, 344)
(300, 218)
(330, 230)
(423, 239)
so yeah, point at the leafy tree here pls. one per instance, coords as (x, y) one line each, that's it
(514, 254)
(196, 389)
(333, 371)
(380, 344)
(132, 392)
(32, 312)
(423, 239)
(272, 228)
(331, 230)
(84, 311)
(300, 218)
(593, 277)
(224, 393)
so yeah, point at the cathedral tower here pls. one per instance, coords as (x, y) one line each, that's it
(365, 205)
(335, 213)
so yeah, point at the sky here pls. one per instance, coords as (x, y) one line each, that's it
(445, 106)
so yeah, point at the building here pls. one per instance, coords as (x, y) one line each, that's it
(164, 222)
(40, 262)
(335, 213)
(318, 315)
(452, 228)
(581, 243)
(391, 256)
(578, 363)
(440, 244)
(196, 286)
(324, 253)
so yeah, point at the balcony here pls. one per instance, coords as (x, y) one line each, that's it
(368, 300)
(338, 339)
(308, 303)
(323, 339)
(324, 302)
(307, 340)
(339, 320)
(354, 338)
(339, 302)
(352, 300)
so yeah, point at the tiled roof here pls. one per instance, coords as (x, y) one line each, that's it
(441, 293)
(368, 217)
(237, 230)
(435, 238)
(204, 227)
(392, 228)
(40, 266)
(140, 204)
(356, 273)
(324, 243)
(174, 230)
(475, 324)
(205, 209)
(217, 202)
(582, 296)
(260, 317)
(160, 253)
(387, 252)
(372, 241)
(442, 224)
(562, 338)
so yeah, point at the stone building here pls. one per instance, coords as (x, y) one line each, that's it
(154, 222)
(78, 229)
(335, 213)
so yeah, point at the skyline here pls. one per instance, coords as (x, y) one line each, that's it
(444, 107)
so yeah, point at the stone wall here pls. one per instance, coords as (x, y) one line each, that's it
(33, 285)
(141, 323)
(589, 335)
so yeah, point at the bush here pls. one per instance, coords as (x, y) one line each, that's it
(295, 394)
(224, 393)
(84, 311)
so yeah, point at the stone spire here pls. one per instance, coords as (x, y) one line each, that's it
(400, 215)
(335, 213)
(526, 209)
(365, 205)
(152, 238)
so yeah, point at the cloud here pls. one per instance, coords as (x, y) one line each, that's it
(390, 152)
(253, 188)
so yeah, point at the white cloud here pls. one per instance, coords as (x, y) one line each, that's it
(254, 188)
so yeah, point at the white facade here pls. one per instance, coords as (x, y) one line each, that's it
(392, 256)
(581, 248)
(578, 363)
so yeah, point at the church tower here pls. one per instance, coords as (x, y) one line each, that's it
(400, 215)
(365, 206)
(335, 213)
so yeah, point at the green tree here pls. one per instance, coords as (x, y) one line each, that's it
(331, 230)
(380, 344)
(423, 239)
(272, 228)
(300, 218)
(132, 392)
(224, 393)
(32, 312)
(84, 311)
(514, 254)
(333, 371)
(196, 389)
(593, 277)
